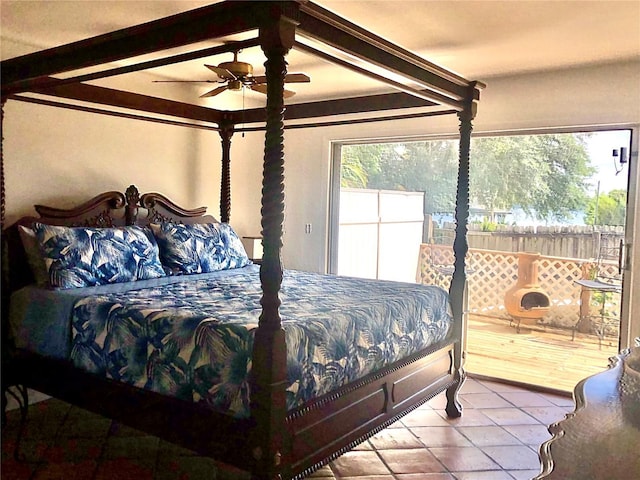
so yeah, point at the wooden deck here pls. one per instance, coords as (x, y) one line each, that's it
(541, 356)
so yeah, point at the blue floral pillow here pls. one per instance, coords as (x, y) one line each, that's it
(84, 257)
(236, 255)
(199, 248)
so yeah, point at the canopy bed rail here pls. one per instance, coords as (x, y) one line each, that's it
(274, 441)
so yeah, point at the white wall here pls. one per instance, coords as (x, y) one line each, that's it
(598, 95)
(60, 157)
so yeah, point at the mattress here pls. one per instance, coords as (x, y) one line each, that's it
(191, 337)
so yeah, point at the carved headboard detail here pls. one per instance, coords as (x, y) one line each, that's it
(100, 211)
(160, 209)
(108, 209)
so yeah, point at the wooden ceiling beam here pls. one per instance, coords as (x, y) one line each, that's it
(210, 22)
(134, 101)
(117, 98)
(46, 81)
(429, 95)
(343, 106)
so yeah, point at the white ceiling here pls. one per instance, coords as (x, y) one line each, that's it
(477, 39)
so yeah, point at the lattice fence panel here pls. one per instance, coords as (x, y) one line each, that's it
(608, 270)
(434, 267)
(557, 276)
(491, 273)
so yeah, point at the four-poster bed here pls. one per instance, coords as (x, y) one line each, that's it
(273, 440)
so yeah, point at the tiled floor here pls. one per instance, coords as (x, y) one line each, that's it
(497, 438)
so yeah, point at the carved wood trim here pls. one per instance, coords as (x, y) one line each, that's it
(152, 200)
(226, 132)
(111, 200)
(161, 210)
(330, 417)
(268, 380)
(321, 402)
(2, 192)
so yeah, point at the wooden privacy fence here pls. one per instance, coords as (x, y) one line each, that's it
(491, 273)
(574, 241)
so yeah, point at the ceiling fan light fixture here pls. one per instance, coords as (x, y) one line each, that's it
(234, 85)
(234, 70)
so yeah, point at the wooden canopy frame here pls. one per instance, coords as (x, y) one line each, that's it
(281, 26)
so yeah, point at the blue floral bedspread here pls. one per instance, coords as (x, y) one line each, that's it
(193, 339)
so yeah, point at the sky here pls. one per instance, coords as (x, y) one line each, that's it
(600, 148)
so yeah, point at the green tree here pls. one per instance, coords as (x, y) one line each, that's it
(360, 162)
(503, 173)
(429, 167)
(611, 208)
(545, 175)
(567, 171)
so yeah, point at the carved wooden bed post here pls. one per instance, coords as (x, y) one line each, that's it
(2, 193)
(132, 197)
(457, 289)
(226, 132)
(268, 383)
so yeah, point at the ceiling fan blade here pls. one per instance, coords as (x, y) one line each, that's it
(289, 78)
(288, 93)
(184, 81)
(262, 88)
(259, 87)
(297, 78)
(214, 92)
(223, 73)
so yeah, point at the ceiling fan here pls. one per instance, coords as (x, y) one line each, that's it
(236, 75)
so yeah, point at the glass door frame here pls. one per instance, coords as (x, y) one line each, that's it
(629, 323)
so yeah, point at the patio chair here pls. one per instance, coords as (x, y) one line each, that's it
(603, 282)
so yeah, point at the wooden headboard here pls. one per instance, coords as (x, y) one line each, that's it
(108, 209)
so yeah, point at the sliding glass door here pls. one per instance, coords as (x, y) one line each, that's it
(556, 202)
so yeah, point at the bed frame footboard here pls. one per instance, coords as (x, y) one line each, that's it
(326, 428)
